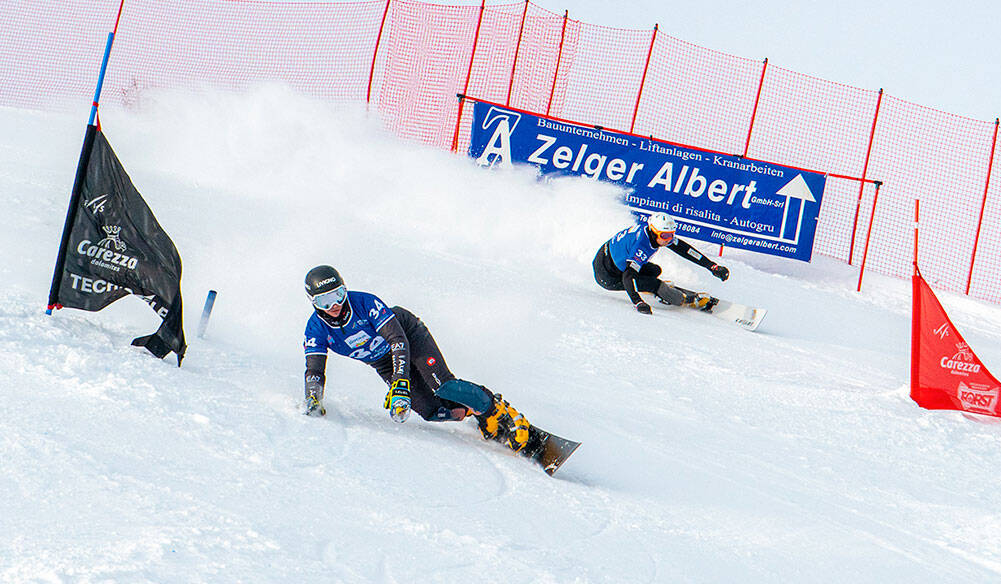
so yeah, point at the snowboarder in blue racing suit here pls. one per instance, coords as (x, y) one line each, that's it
(622, 263)
(401, 349)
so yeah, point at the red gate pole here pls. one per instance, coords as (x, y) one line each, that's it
(639, 94)
(517, 48)
(469, 73)
(915, 305)
(983, 204)
(865, 253)
(865, 168)
(375, 53)
(559, 57)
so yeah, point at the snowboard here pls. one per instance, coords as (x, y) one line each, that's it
(550, 452)
(553, 451)
(746, 317)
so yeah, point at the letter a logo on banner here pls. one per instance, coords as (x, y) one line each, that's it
(498, 149)
(945, 372)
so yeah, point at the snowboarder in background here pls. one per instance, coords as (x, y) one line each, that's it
(622, 263)
(402, 351)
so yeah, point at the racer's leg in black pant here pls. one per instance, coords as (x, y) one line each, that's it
(609, 277)
(428, 370)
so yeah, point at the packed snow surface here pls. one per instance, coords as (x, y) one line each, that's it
(710, 454)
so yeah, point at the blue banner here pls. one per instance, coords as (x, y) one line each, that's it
(718, 198)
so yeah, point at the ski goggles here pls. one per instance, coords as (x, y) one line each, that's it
(328, 300)
(666, 236)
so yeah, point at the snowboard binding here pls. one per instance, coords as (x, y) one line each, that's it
(499, 421)
(506, 425)
(703, 302)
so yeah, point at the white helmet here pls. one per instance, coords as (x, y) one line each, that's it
(662, 223)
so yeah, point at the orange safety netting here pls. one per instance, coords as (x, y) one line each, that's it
(419, 56)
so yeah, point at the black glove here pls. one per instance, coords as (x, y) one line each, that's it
(314, 396)
(720, 272)
(643, 308)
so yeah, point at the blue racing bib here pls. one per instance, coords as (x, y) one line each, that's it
(631, 247)
(359, 338)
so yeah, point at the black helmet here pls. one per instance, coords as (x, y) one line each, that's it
(321, 280)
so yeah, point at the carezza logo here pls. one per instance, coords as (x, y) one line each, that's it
(102, 254)
(978, 397)
(962, 362)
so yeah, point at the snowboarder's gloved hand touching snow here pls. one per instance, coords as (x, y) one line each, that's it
(314, 395)
(314, 406)
(398, 400)
(643, 308)
(720, 272)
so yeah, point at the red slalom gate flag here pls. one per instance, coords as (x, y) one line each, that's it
(945, 373)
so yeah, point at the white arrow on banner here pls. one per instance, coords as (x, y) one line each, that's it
(795, 189)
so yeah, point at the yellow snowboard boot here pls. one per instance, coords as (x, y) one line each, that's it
(505, 424)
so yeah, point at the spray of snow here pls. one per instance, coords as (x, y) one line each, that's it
(710, 454)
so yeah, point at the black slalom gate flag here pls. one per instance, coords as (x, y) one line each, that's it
(113, 246)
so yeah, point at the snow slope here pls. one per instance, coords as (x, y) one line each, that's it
(709, 454)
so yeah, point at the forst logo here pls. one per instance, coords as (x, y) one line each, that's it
(977, 397)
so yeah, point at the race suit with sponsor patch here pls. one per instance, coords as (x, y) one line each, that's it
(391, 340)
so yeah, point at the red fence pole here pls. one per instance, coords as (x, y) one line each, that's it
(517, 48)
(983, 204)
(646, 66)
(559, 57)
(375, 53)
(754, 112)
(868, 233)
(469, 73)
(865, 168)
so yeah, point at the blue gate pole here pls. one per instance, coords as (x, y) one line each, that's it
(81, 172)
(206, 313)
